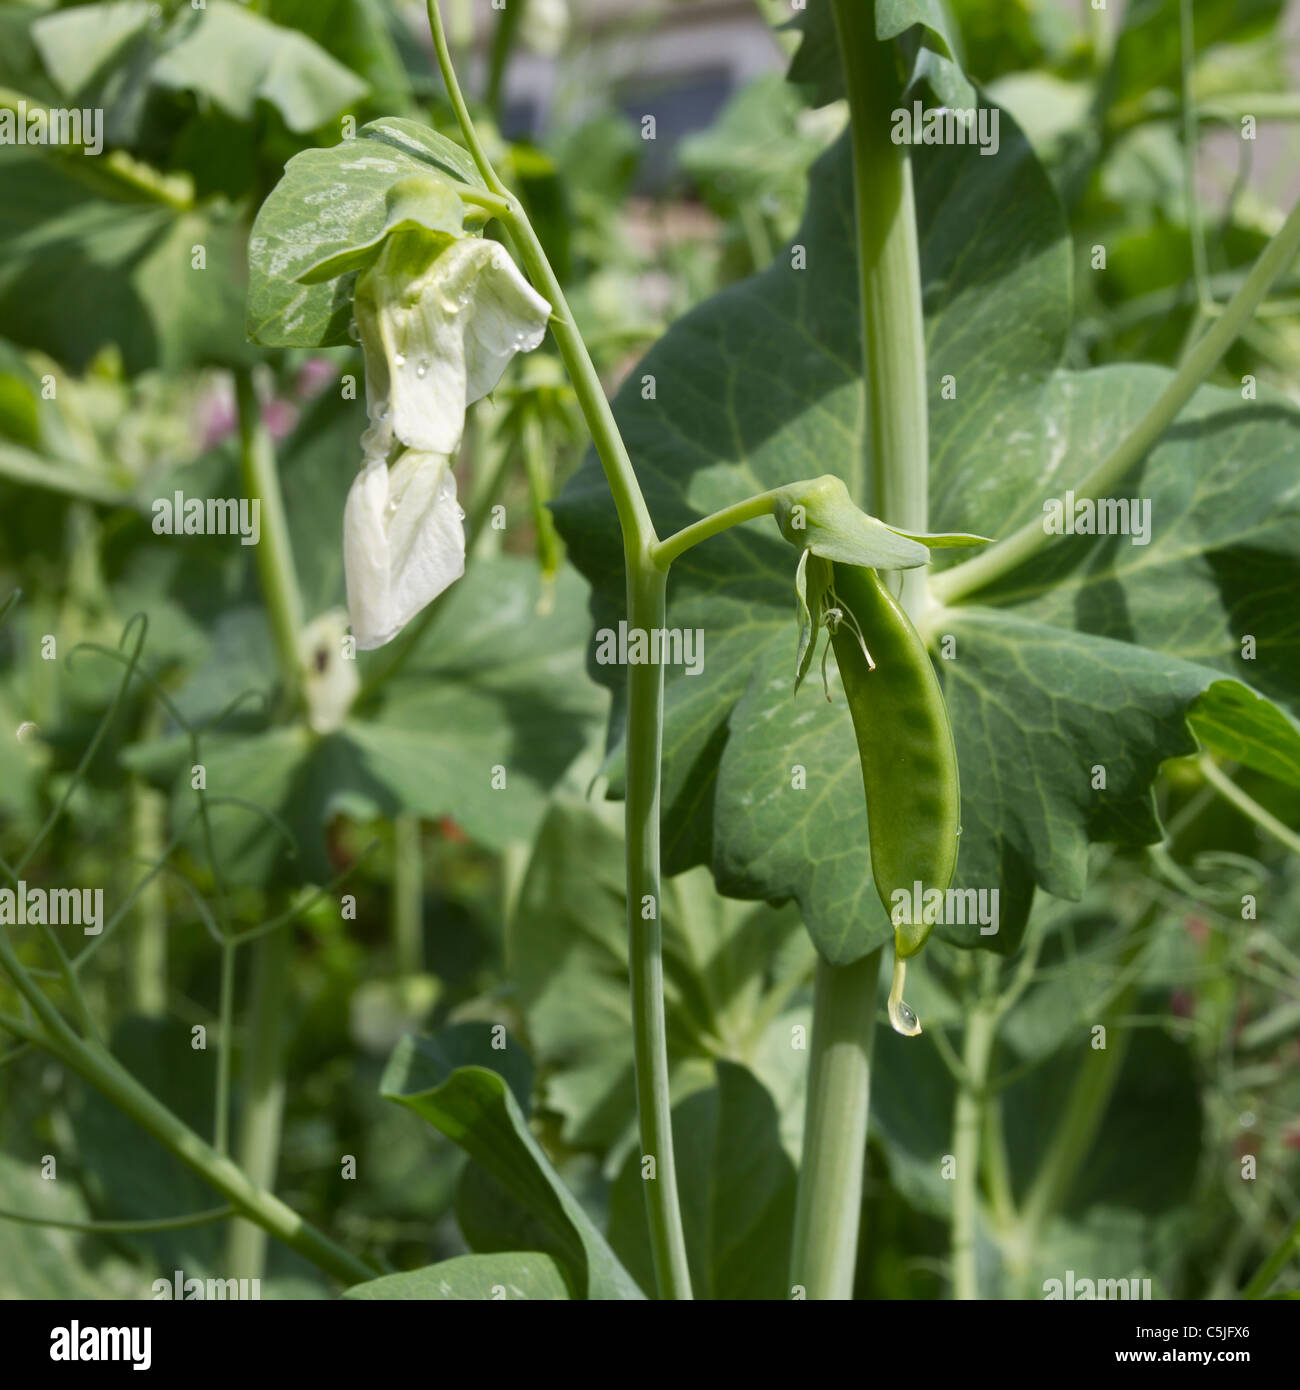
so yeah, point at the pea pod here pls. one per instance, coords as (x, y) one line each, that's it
(905, 745)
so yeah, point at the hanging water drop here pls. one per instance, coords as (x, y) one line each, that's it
(902, 1016)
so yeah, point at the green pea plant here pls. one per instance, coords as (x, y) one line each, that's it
(1017, 766)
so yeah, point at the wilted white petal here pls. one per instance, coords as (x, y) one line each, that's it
(330, 681)
(508, 316)
(439, 324)
(403, 542)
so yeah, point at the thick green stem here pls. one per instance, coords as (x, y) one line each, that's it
(968, 1128)
(646, 603)
(408, 895)
(828, 1208)
(275, 567)
(117, 1085)
(1248, 806)
(959, 582)
(263, 1092)
(889, 269)
(149, 843)
(1077, 1128)
(829, 1202)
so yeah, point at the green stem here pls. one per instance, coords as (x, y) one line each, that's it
(275, 566)
(408, 895)
(19, 465)
(457, 99)
(633, 515)
(263, 1093)
(968, 1129)
(664, 552)
(1275, 1264)
(646, 603)
(1200, 261)
(503, 41)
(115, 169)
(1000, 559)
(829, 1202)
(225, 1048)
(1077, 1128)
(889, 269)
(533, 444)
(117, 1085)
(149, 844)
(1248, 806)
(162, 1223)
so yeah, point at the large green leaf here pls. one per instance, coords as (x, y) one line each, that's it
(1089, 657)
(729, 969)
(223, 53)
(79, 270)
(928, 39)
(1148, 47)
(519, 1274)
(441, 1080)
(483, 720)
(43, 1262)
(356, 32)
(737, 1187)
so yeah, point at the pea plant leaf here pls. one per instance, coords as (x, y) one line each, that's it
(1069, 683)
(223, 53)
(929, 40)
(737, 1187)
(331, 201)
(81, 268)
(497, 686)
(480, 1110)
(519, 1274)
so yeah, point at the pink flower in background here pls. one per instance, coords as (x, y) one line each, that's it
(279, 416)
(218, 416)
(314, 376)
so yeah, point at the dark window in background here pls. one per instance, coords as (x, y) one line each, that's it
(521, 119)
(681, 104)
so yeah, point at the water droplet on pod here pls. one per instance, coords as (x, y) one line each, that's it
(354, 331)
(902, 1016)
(399, 359)
(422, 369)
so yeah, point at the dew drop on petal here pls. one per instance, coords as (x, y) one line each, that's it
(421, 370)
(399, 359)
(902, 1016)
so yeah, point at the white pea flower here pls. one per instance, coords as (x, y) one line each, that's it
(439, 321)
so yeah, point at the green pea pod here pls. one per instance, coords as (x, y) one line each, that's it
(905, 745)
